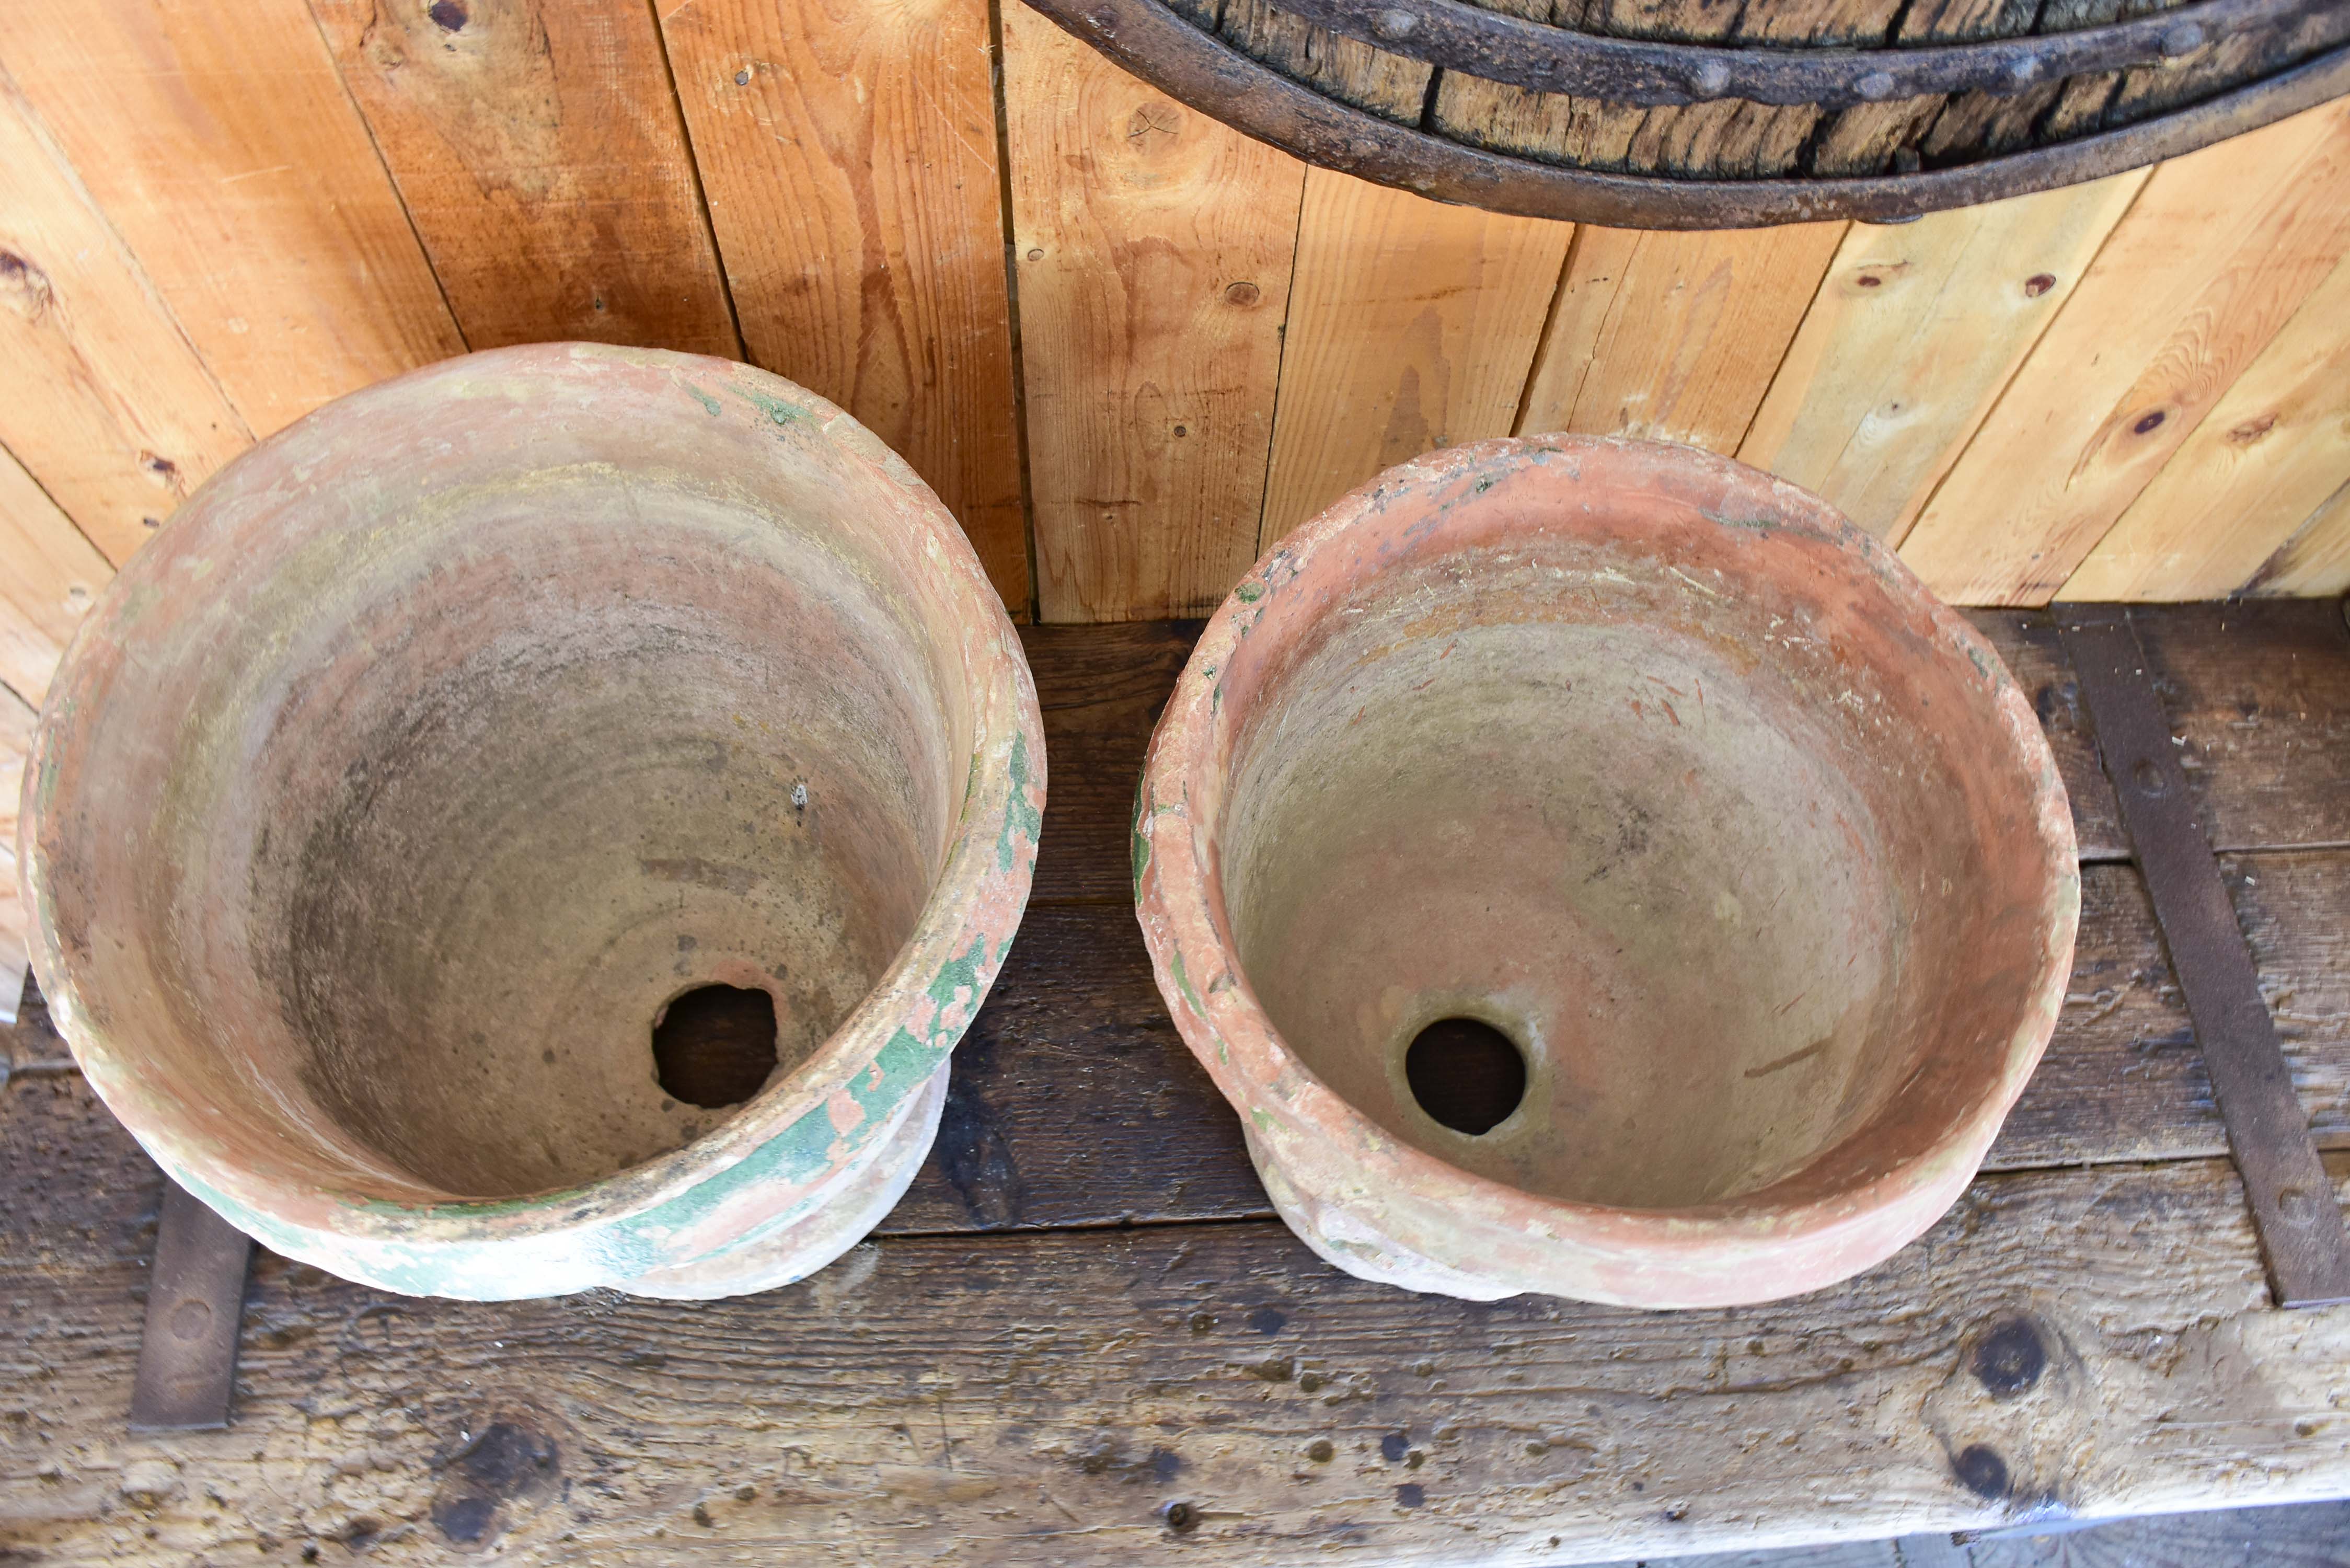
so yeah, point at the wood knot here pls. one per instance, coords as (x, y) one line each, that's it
(24, 286)
(503, 1465)
(1981, 1471)
(2008, 1360)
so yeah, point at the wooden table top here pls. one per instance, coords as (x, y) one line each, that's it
(1083, 1337)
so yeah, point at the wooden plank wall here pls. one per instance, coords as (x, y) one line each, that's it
(1129, 348)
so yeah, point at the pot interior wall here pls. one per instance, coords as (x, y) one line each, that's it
(1700, 866)
(425, 824)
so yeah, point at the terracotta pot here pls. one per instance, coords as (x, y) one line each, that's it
(454, 739)
(1596, 868)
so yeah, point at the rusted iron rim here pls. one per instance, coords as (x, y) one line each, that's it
(1500, 47)
(1197, 68)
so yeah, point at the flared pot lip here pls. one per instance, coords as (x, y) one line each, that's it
(1297, 1119)
(976, 898)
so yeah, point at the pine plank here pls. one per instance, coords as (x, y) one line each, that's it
(1101, 689)
(2027, 643)
(1915, 331)
(1053, 1397)
(1674, 336)
(2273, 448)
(2316, 560)
(1153, 248)
(2295, 916)
(16, 721)
(1075, 1103)
(2259, 698)
(99, 394)
(537, 147)
(2220, 251)
(49, 576)
(848, 153)
(1412, 326)
(219, 141)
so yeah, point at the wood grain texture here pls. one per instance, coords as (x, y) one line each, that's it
(1674, 336)
(2220, 251)
(100, 395)
(2027, 643)
(1055, 1396)
(2295, 909)
(221, 144)
(2272, 450)
(16, 721)
(1393, 86)
(2259, 698)
(1100, 689)
(1076, 1041)
(1074, 1102)
(537, 147)
(1108, 1395)
(2316, 559)
(1153, 249)
(49, 576)
(1412, 326)
(848, 153)
(1728, 138)
(1915, 331)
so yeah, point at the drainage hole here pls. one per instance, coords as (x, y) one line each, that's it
(1466, 1073)
(716, 1046)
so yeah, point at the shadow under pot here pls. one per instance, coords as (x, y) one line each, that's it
(537, 824)
(1595, 867)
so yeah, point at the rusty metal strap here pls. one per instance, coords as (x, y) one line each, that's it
(2293, 1210)
(1459, 36)
(1162, 46)
(196, 1304)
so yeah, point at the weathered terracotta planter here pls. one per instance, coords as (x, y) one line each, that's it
(1595, 867)
(451, 740)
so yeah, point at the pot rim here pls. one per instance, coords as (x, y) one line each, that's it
(1179, 901)
(1002, 802)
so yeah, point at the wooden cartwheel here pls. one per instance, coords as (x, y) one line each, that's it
(1697, 114)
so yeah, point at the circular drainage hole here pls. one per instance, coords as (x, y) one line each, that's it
(1466, 1073)
(715, 1044)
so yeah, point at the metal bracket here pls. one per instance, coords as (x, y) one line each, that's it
(2293, 1210)
(195, 1305)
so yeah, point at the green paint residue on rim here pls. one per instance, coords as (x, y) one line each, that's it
(1184, 984)
(774, 407)
(1141, 849)
(1021, 819)
(709, 404)
(1249, 593)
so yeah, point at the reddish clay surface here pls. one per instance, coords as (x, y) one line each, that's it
(445, 739)
(1752, 851)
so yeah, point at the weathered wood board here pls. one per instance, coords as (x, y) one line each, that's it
(1081, 1338)
(1171, 1393)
